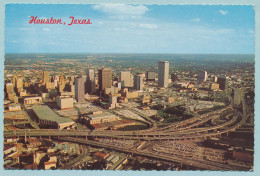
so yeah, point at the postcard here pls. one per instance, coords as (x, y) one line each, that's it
(129, 87)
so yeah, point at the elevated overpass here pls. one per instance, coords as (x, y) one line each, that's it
(185, 130)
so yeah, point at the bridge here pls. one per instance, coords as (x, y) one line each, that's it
(185, 130)
(178, 131)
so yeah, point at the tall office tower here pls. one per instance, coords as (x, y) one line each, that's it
(223, 83)
(163, 73)
(72, 78)
(19, 83)
(90, 84)
(55, 82)
(214, 78)
(126, 78)
(91, 74)
(84, 77)
(138, 82)
(79, 90)
(104, 78)
(238, 94)
(150, 76)
(61, 79)
(9, 87)
(202, 76)
(46, 78)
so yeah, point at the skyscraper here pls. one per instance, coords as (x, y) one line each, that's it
(223, 83)
(126, 78)
(9, 87)
(79, 90)
(104, 78)
(45, 77)
(163, 73)
(238, 94)
(90, 84)
(19, 83)
(138, 82)
(202, 76)
(91, 74)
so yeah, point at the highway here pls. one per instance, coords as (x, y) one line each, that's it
(185, 130)
(208, 165)
(192, 133)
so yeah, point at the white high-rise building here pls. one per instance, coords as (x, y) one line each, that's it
(202, 76)
(91, 74)
(163, 73)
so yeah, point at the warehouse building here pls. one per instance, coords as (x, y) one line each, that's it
(101, 118)
(49, 119)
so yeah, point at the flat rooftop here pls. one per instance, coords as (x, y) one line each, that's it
(45, 113)
(100, 116)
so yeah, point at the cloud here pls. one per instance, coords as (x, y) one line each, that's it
(223, 12)
(195, 20)
(148, 26)
(121, 9)
(46, 29)
(120, 29)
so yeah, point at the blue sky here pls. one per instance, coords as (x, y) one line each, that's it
(122, 28)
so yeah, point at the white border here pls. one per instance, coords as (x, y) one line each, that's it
(255, 3)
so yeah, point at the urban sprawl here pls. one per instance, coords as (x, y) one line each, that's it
(102, 112)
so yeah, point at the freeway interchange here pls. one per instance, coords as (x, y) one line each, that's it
(186, 130)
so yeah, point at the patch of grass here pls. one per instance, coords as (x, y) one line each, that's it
(171, 118)
(161, 113)
(174, 114)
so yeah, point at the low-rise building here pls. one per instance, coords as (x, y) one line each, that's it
(32, 100)
(146, 99)
(130, 95)
(214, 86)
(101, 155)
(49, 119)
(89, 97)
(14, 107)
(23, 93)
(101, 118)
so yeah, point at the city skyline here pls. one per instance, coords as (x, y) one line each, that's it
(185, 124)
(129, 87)
(136, 29)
